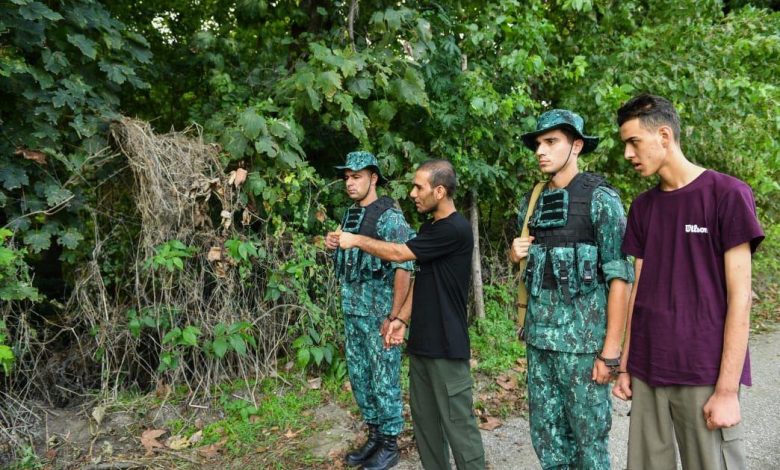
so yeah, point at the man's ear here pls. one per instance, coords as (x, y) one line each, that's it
(577, 146)
(439, 192)
(666, 134)
(374, 178)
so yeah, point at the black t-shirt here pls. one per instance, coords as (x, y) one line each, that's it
(439, 325)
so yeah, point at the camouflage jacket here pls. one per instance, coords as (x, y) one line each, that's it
(578, 326)
(374, 296)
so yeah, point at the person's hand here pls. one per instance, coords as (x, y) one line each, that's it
(384, 327)
(519, 249)
(600, 373)
(622, 387)
(332, 239)
(395, 333)
(722, 410)
(347, 240)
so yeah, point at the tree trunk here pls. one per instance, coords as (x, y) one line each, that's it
(476, 260)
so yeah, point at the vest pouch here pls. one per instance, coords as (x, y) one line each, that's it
(565, 271)
(587, 267)
(552, 210)
(372, 267)
(534, 269)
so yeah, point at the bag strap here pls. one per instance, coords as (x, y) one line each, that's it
(522, 292)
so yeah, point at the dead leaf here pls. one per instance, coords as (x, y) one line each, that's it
(320, 215)
(178, 442)
(315, 383)
(290, 434)
(214, 254)
(197, 437)
(149, 440)
(246, 217)
(473, 363)
(34, 155)
(226, 214)
(347, 387)
(288, 367)
(239, 177)
(163, 389)
(210, 452)
(98, 413)
(51, 454)
(507, 382)
(199, 423)
(490, 424)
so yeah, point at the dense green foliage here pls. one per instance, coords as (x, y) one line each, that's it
(286, 89)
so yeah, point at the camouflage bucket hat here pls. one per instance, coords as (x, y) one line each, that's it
(557, 119)
(357, 161)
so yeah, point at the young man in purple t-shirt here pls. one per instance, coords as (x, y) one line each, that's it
(685, 352)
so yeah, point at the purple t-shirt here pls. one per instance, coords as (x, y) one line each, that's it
(680, 310)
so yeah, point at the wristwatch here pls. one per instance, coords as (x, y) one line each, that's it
(613, 364)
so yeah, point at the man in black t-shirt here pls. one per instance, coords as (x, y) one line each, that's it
(439, 375)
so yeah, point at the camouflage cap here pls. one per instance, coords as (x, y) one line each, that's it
(357, 161)
(561, 118)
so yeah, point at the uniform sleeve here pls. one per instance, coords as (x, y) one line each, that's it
(609, 220)
(737, 217)
(392, 227)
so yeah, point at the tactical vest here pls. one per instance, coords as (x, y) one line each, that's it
(354, 264)
(562, 219)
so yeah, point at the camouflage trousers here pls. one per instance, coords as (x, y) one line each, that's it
(374, 373)
(570, 415)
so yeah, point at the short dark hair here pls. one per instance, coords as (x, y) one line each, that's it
(441, 173)
(652, 111)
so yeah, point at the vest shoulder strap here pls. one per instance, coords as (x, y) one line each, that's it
(373, 212)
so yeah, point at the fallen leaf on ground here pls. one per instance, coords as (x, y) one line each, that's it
(490, 424)
(507, 382)
(197, 437)
(210, 452)
(315, 383)
(98, 413)
(214, 254)
(149, 440)
(178, 442)
(290, 434)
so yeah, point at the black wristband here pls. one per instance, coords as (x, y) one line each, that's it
(401, 320)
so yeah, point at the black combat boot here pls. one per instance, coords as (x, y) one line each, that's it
(386, 457)
(361, 455)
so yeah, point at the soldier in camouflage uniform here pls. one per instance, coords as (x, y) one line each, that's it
(577, 281)
(372, 290)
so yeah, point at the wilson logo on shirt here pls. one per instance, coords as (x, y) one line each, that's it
(695, 229)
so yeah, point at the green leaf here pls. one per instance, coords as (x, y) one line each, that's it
(85, 45)
(17, 290)
(329, 82)
(55, 194)
(252, 123)
(37, 240)
(266, 146)
(318, 355)
(36, 10)
(356, 124)
(302, 358)
(13, 177)
(117, 73)
(70, 238)
(190, 336)
(238, 344)
(55, 62)
(361, 87)
(172, 336)
(220, 347)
